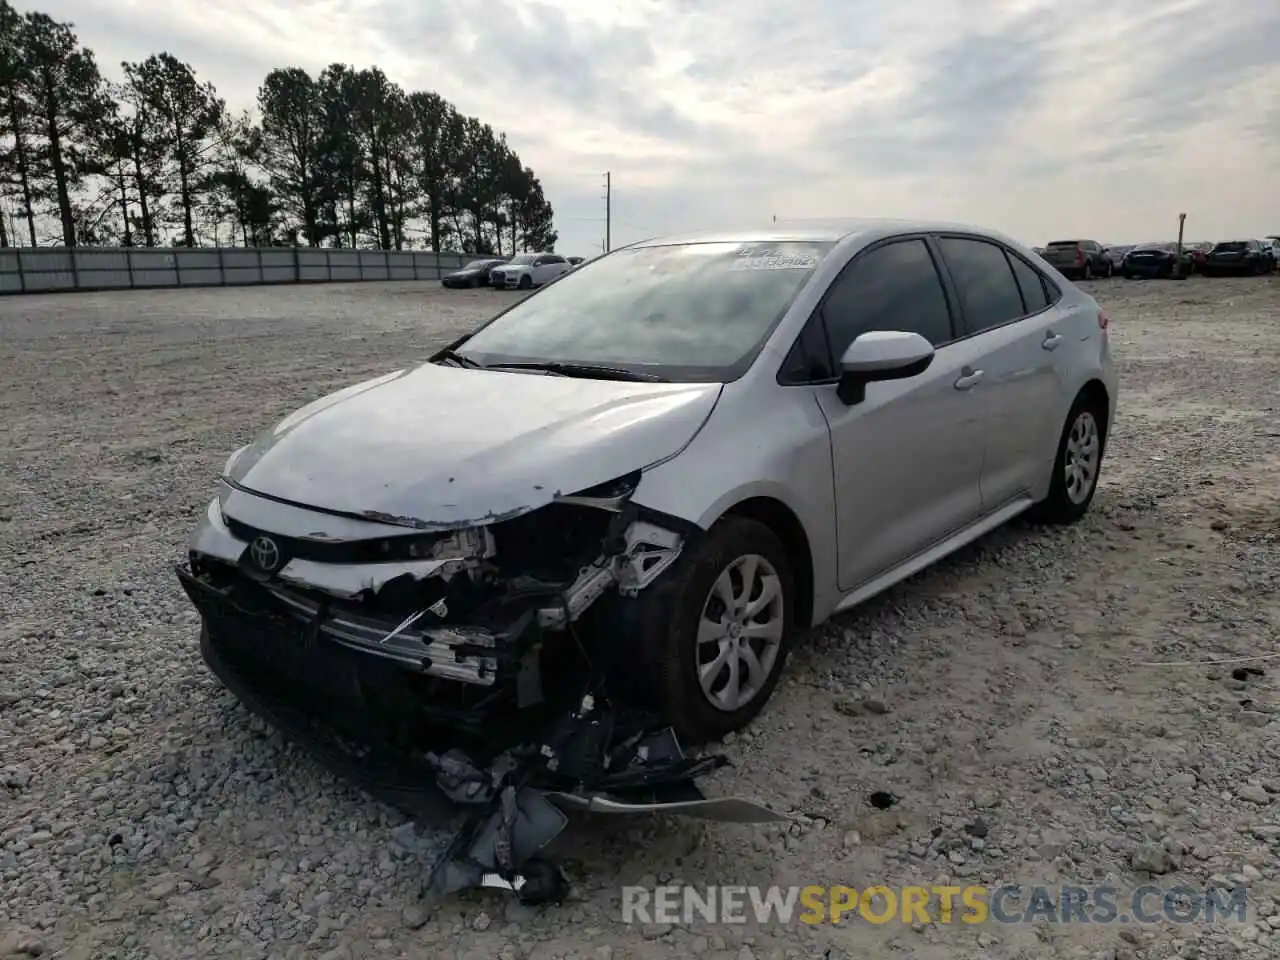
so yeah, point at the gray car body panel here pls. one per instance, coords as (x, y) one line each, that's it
(441, 447)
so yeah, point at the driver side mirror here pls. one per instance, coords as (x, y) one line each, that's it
(881, 355)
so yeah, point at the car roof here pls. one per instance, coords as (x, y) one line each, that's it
(826, 230)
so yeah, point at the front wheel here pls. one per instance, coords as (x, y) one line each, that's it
(1076, 465)
(705, 645)
(526, 282)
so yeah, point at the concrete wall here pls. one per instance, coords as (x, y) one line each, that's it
(49, 269)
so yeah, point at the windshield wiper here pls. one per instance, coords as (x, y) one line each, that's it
(565, 369)
(459, 359)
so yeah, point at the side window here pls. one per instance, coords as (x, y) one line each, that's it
(1033, 294)
(985, 281)
(539, 261)
(894, 287)
(808, 361)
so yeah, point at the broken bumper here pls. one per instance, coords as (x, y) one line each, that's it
(431, 712)
(398, 779)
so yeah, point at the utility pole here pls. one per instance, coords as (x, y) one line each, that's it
(608, 210)
(1177, 261)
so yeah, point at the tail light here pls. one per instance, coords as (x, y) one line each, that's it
(1079, 256)
(1103, 320)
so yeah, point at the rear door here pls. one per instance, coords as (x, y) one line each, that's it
(1009, 317)
(557, 266)
(907, 459)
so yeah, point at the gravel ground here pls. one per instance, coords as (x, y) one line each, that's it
(1001, 696)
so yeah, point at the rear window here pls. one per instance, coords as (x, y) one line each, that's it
(1063, 245)
(1232, 246)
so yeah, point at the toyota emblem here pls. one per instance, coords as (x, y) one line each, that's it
(265, 554)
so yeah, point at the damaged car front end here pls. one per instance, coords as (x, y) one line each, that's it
(497, 585)
(443, 670)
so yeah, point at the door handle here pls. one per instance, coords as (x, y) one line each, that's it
(967, 380)
(1051, 341)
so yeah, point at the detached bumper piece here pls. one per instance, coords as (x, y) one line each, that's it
(508, 775)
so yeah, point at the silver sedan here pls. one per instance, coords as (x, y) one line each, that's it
(649, 475)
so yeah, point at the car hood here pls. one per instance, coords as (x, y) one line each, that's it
(440, 447)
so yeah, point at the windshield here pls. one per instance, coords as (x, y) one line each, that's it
(693, 311)
(522, 259)
(1231, 246)
(476, 264)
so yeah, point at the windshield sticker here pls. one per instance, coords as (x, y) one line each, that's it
(750, 260)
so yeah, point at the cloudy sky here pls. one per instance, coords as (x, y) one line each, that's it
(1043, 118)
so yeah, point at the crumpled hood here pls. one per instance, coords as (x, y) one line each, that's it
(438, 446)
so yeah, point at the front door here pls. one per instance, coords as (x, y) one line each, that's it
(907, 459)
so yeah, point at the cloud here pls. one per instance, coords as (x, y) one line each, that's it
(1033, 116)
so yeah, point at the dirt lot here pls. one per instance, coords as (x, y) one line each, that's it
(1002, 697)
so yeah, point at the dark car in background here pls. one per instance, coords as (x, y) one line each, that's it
(1151, 260)
(474, 274)
(1115, 253)
(1240, 257)
(1078, 259)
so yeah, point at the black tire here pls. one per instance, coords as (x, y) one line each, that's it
(1061, 506)
(526, 282)
(650, 643)
(1086, 272)
(1109, 270)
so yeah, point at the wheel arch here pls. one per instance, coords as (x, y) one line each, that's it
(784, 523)
(1095, 392)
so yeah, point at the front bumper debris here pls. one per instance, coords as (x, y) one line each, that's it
(432, 721)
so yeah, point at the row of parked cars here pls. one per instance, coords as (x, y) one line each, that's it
(1086, 259)
(524, 271)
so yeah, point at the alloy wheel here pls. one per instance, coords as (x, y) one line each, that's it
(740, 632)
(1084, 450)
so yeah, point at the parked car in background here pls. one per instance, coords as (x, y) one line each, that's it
(527, 270)
(575, 261)
(1078, 259)
(474, 274)
(1115, 253)
(1155, 260)
(1197, 252)
(1275, 251)
(564, 496)
(1247, 257)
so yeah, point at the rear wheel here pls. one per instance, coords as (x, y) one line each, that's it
(1076, 465)
(1087, 272)
(705, 645)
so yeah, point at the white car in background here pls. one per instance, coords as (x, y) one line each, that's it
(528, 270)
